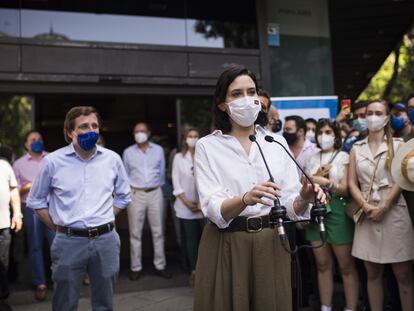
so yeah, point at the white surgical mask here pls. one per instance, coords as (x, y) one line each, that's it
(310, 134)
(191, 142)
(244, 111)
(326, 141)
(141, 137)
(376, 123)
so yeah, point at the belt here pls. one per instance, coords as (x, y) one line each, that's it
(90, 233)
(145, 189)
(248, 224)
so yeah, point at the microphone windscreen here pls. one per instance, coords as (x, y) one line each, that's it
(252, 138)
(269, 138)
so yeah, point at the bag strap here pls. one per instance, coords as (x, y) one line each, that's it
(333, 157)
(372, 180)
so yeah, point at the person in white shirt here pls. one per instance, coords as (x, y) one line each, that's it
(241, 263)
(329, 168)
(145, 165)
(186, 204)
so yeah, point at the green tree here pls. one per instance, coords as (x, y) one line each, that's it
(395, 79)
(14, 122)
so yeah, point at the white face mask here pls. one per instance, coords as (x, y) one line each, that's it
(326, 141)
(191, 142)
(141, 137)
(376, 123)
(244, 111)
(310, 135)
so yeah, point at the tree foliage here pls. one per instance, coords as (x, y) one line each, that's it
(395, 79)
(14, 122)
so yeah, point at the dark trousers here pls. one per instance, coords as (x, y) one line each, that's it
(5, 240)
(36, 231)
(192, 232)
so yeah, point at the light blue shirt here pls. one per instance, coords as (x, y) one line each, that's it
(145, 169)
(82, 192)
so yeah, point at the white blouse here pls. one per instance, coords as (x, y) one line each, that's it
(319, 159)
(184, 183)
(223, 170)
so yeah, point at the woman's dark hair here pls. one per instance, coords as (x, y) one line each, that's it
(221, 118)
(265, 94)
(335, 128)
(312, 120)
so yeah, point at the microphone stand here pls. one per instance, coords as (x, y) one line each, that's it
(277, 218)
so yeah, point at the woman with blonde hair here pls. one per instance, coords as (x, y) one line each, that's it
(384, 233)
(186, 204)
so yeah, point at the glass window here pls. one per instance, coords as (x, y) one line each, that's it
(215, 24)
(9, 22)
(60, 25)
(299, 48)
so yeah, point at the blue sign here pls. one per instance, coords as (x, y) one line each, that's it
(307, 107)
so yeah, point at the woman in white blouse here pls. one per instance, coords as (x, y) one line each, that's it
(186, 204)
(242, 264)
(329, 168)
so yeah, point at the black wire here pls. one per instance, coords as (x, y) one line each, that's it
(298, 283)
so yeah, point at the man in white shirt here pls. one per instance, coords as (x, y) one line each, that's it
(9, 193)
(294, 132)
(145, 166)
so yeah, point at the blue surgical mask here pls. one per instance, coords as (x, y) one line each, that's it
(349, 142)
(87, 141)
(37, 146)
(411, 115)
(397, 123)
(360, 125)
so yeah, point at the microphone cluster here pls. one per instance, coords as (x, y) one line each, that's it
(277, 213)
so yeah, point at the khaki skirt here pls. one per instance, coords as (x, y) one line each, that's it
(242, 271)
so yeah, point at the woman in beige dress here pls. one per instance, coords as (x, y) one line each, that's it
(385, 235)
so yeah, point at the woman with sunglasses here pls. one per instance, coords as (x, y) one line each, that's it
(329, 168)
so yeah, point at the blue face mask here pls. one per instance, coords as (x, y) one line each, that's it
(347, 145)
(397, 123)
(411, 115)
(87, 141)
(37, 146)
(360, 125)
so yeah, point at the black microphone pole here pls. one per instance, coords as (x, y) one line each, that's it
(318, 210)
(277, 212)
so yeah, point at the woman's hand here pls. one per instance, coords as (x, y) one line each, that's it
(368, 208)
(322, 181)
(308, 193)
(192, 206)
(377, 214)
(261, 192)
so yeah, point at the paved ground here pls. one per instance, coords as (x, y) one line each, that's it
(167, 299)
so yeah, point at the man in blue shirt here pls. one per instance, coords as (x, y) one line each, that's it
(86, 186)
(145, 166)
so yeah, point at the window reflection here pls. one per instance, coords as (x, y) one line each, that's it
(116, 28)
(9, 23)
(103, 27)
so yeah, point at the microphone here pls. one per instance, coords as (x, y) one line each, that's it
(278, 212)
(318, 210)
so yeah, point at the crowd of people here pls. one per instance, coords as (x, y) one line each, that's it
(361, 164)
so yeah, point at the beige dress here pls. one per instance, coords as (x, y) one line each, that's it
(391, 239)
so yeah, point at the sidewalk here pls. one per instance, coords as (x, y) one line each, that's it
(167, 299)
(150, 292)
